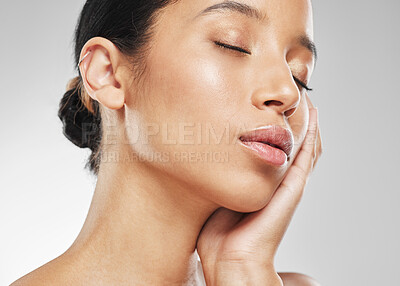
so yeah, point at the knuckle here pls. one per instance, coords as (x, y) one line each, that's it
(309, 151)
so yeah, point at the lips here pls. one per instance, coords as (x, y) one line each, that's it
(274, 136)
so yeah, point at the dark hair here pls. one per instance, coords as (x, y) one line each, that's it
(129, 25)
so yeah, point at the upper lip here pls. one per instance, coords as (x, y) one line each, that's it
(274, 135)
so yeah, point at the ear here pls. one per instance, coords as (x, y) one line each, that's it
(101, 62)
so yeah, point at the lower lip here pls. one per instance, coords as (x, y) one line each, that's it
(268, 153)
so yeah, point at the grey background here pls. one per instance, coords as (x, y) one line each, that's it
(346, 229)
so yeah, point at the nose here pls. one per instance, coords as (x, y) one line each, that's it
(277, 91)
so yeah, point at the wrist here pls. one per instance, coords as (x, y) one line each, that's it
(249, 274)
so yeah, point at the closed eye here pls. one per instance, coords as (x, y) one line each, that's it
(302, 84)
(230, 47)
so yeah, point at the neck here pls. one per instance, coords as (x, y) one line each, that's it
(142, 227)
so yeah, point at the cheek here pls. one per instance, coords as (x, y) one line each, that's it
(177, 91)
(192, 89)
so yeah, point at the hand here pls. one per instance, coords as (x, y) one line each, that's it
(232, 242)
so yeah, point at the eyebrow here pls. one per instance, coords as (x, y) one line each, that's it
(254, 13)
(234, 6)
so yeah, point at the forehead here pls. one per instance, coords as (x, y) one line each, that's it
(263, 11)
(292, 19)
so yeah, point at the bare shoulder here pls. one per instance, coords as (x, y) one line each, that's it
(32, 278)
(297, 279)
(40, 276)
(51, 273)
(25, 281)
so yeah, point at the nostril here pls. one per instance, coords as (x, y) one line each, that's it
(290, 112)
(287, 113)
(273, 102)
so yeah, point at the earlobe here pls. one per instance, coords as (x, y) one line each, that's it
(110, 97)
(98, 72)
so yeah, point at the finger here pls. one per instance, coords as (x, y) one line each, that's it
(319, 140)
(277, 214)
(319, 147)
(310, 104)
(303, 162)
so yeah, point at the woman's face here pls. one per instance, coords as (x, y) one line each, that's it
(196, 98)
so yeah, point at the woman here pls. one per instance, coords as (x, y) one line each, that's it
(202, 136)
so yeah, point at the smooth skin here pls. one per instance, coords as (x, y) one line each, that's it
(148, 216)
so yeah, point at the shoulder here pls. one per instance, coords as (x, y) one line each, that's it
(51, 273)
(297, 279)
(33, 278)
(37, 277)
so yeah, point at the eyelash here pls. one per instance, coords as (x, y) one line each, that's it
(230, 47)
(302, 84)
(226, 46)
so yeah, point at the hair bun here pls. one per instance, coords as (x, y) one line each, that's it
(80, 126)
